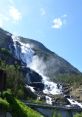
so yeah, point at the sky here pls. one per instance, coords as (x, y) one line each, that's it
(55, 23)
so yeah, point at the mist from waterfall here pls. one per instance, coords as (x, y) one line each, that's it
(26, 54)
(39, 66)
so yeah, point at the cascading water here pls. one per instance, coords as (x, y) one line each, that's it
(26, 54)
(39, 66)
(73, 102)
(51, 88)
(22, 51)
(48, 100)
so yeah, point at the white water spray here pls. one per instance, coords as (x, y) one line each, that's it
(73, 102)
(23, 51)
(39, 66)
(26, 54)
(48, 100)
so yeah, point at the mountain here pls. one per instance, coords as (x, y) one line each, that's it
(30, 51)
(36, 61)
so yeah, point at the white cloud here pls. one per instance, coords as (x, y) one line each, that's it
(57, 23)
(12, 15)
(43, 12)
(15, 14)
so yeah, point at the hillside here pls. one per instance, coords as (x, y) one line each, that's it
(40, 67)
(15, 108)
(50, 62)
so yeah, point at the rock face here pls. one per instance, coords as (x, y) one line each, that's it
(33, 79)
(50, 62)
(34, 55)
(23, 48)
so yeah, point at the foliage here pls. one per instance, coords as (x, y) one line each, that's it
(4, 104)
(56, 114)
(14, 76)
(19, 109)
(5, 51)
(14, 79)
(70, 79)
(78, 115)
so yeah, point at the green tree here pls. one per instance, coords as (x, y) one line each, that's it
(78, 115)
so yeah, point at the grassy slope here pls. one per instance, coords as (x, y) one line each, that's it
(17, 108)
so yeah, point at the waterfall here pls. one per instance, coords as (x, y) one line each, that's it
(73, 102)
(24, 52)
(39, 66)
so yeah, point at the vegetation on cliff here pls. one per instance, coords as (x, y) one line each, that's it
(14, 76)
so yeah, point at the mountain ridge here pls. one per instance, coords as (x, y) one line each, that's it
(52, 63)
(43, 69)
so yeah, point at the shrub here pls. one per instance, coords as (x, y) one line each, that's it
(56, 114)
(4, 104)
(19, 109)
(78, 115)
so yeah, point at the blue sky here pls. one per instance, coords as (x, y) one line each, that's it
(55, 23)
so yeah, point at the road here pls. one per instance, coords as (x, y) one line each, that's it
(62, 107)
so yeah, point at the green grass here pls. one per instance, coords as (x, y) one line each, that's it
(19, 109)
(4, 104)
(28, 111)
(16, 107)
(78, 115)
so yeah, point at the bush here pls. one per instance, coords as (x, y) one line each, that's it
(71, 79)
(78, 115)
(14, 79)
(19, 109)
(56, 114)
(5, 51)
(4, 104)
